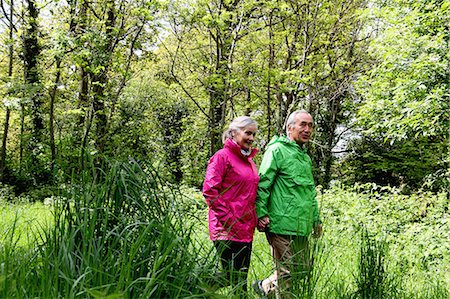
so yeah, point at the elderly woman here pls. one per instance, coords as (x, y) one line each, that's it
(230, 188)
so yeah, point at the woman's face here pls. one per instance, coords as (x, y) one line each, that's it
(245, 137)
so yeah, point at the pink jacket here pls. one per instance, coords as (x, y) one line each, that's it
(230, 188)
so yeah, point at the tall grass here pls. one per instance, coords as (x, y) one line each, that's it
(384, 244)
(117, 234)
(122, 232)
(372, 277)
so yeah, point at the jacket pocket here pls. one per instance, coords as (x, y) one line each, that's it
(302, 181)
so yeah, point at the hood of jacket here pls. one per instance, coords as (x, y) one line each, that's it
(286, 141)
(235, 148)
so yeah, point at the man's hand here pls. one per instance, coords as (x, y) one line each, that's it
(317, 231)
(263, 223)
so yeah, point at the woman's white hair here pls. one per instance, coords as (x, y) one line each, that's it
(291, 119)
(236, 125)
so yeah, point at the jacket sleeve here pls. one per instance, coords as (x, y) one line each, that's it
(267, 174)
(213, 188)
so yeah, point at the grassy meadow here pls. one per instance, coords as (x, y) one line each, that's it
(125, 233)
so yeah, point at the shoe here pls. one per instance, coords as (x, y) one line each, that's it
(257, 286)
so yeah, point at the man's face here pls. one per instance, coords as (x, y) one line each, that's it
(301, 130)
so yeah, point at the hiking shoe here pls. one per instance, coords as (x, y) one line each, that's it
(257, 286)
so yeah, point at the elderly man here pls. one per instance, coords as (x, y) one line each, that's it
(286, 205)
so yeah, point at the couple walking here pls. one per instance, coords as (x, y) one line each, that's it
(279, 200)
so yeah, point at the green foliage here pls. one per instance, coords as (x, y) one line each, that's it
(372, 280)
(408, 163)
(408, 232)
(406, 93)
(129, 85)
(116, 234)
(123, 233)
(266, 59)
(404, 111)
(389, 213)
(155, 123)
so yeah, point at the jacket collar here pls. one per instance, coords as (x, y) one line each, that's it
(235, 148)
(285, 140)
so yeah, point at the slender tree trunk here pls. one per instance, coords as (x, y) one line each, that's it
(31, 53)
(4, 143)
(170, 118)
(77, 27)
(79, 22)
(99, 111)
(248, 110)
(83, 100)
(87, 130)
(8, 111)
(285, 100)
(331, 133)
(127, 71)
(22, 132)
(218, 94)
(51, 113)
(269, 78)
(217, 101)
(217, 106)
(100, 81)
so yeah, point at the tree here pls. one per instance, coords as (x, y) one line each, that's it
(32, 77)
(310, 57)
(104, 40)
(406, 93)
(207, 38)
(150, 123)
(11, 28)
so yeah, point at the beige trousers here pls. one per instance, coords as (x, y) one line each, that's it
(292, 261)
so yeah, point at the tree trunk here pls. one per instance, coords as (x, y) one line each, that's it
(21, 134)
(8, 111)
(334, 109)
(99, 82)
(269, 77)
(77, 27)
(51, 113)
(218, 93)
(4, 143)
(285, 101)
(32, 50)
(79, 22)
(31, 54)
(98, 105)
(217, 107)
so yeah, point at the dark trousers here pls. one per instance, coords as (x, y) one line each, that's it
(235, 259)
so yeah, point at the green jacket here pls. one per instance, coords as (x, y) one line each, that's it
(286, 191)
